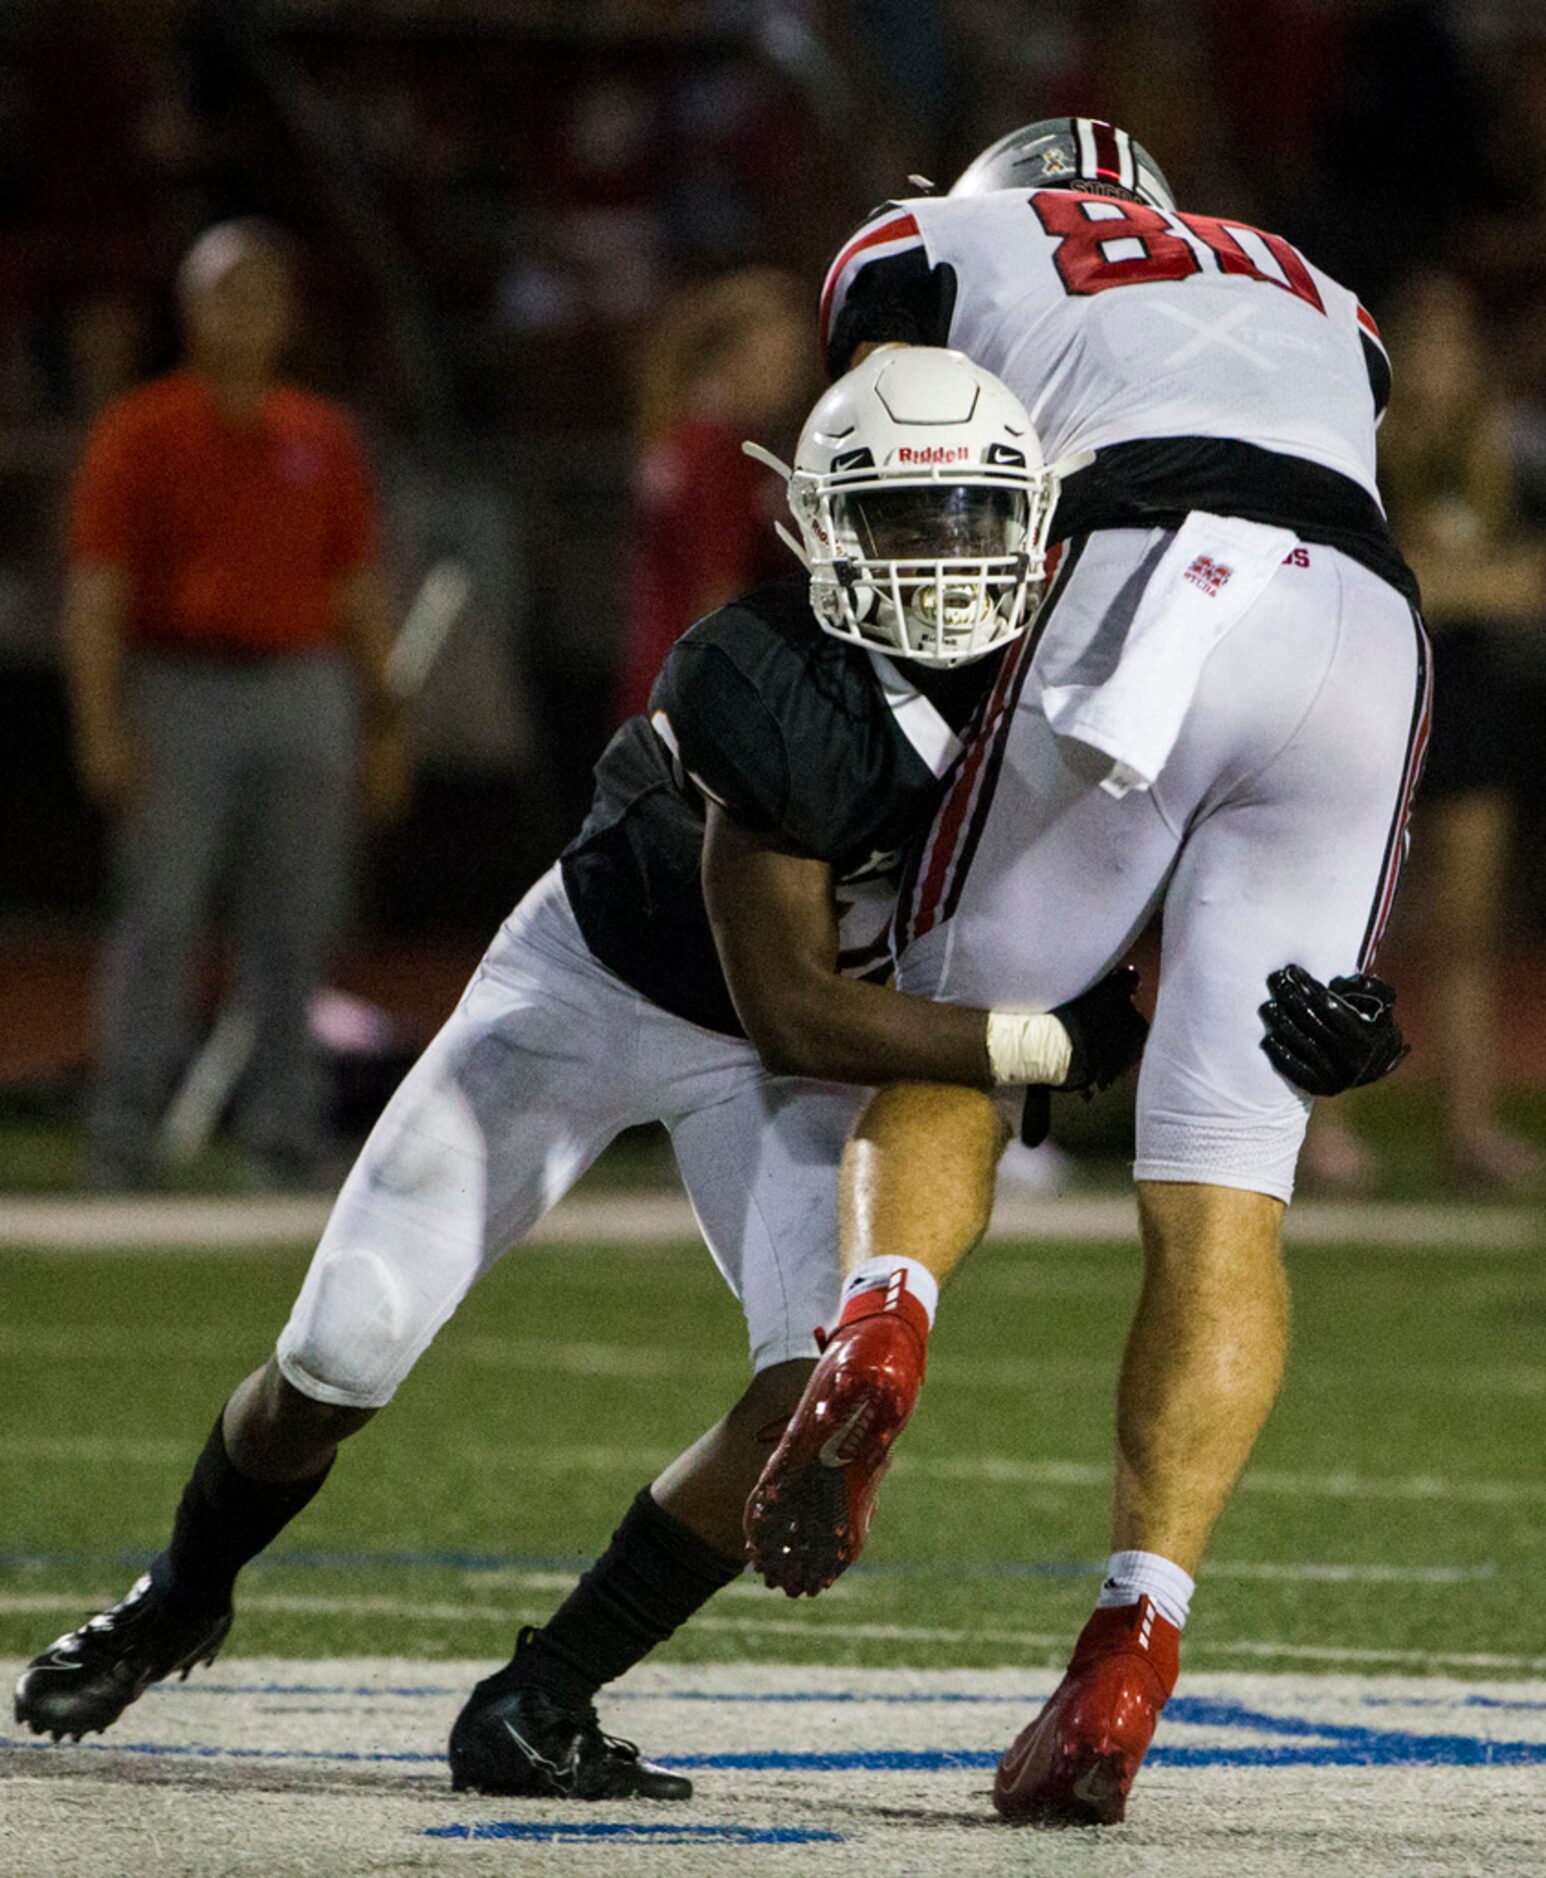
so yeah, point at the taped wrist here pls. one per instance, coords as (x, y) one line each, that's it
(1025, 1048)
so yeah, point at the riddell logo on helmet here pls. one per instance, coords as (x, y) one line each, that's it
(935, 453)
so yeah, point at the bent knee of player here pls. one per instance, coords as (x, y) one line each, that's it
(1235, 1125)
(354, 1334)
(1184, 1219)
(287, 1413)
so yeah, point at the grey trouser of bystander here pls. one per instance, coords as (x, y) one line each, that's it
(247, 804)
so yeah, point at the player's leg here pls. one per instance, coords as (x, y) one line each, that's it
(916, 1194)
(535, 1071)
(1033, 883)
(1203, 1363)
(1294, 857)
(759, 1158)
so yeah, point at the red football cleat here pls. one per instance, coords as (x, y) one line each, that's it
(1074, 1764)
(808, 1515)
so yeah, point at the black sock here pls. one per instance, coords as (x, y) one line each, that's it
(223, 1520)
(652, 1577)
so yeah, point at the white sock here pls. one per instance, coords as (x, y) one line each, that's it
(1134, 1575)
(876, 1274)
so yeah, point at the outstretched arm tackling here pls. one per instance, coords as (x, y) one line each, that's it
(775, 924)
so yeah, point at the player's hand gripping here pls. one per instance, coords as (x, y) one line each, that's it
(1328, 1038)
(1107, 1032)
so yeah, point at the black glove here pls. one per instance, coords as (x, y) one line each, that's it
(1327, 1038)
(1106, 1031)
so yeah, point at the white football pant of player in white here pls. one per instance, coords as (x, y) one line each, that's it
(1274, 832)
(547, 1059)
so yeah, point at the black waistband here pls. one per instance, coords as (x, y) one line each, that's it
(1154, 482)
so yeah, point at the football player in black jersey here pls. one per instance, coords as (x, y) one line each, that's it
(810, 721)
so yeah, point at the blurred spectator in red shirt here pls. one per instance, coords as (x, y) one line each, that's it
(727, 361)
(226, 634)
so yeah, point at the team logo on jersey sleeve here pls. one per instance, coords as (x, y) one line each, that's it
(1208, 574)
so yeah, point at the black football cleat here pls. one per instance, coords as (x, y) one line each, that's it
(518, 1740)
(84, 1682)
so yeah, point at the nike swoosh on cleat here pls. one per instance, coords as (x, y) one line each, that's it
(559, 1775)
(1094, 1785)
(1013, 1764)
(831, 1452)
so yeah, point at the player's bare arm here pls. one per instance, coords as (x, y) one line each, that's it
(774, 916)
(775, 920)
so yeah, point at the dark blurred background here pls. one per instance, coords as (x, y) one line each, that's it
(496, 199)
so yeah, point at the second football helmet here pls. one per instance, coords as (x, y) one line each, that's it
(923, 505)
(1067, 153)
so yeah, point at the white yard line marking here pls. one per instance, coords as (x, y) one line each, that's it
(1005, 1470)
(67, 1224)
(811, 1627)
(986, 1469)
(523, 1578)
(1313, 1574)
(645, 1363)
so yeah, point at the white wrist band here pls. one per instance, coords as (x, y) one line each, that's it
(1028, 1049)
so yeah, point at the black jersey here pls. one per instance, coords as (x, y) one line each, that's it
(834, 751)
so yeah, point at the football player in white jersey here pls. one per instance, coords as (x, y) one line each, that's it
(1221, 713)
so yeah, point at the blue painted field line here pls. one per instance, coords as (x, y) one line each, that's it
(559, 1831)
(1450, 1701)
(1336, 1747)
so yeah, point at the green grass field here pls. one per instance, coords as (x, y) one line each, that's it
(1394, 1518)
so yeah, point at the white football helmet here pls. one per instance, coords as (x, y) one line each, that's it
(923, 504)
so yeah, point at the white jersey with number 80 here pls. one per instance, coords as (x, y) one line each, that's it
(1113, 321)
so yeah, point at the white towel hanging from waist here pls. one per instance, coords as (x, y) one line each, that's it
(1206, 582)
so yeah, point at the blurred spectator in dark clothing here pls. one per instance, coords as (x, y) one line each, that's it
(1450, 488)
(1527, 404)
(726, 361)
(226, 635)
(1403, 160)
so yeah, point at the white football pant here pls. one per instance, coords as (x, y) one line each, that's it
(1274, 833)
(546, 1059)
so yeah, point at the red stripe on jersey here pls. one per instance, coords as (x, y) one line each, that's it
(945, 844)
(1366, 321)
(1108, 158)
(952, 823)
(893, 228)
